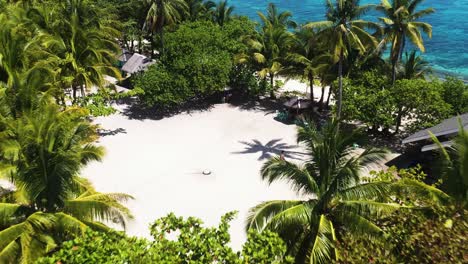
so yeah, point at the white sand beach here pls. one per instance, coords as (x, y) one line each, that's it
(160, 163)
(295, 85)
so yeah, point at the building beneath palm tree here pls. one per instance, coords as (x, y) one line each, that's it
(444, 131)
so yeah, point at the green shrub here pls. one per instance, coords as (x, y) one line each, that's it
(176, 240)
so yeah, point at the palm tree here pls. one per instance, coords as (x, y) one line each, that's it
(23, 66)
(267, 51)
(307, 57)
(162, 13)
(41, 153)
(335, 199)
(222, 12)
(344, 31)
(199, 9)
(401, 22)
(415, 67)
(276, 18)
(82, 48)
(454, 169)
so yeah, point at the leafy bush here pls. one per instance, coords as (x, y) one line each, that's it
(176, 240)
(100, 103)
(197, 63)
(431, 234)
(414, 237)
(162, 87)
(381, 106)
(420, 102)
(455, 93)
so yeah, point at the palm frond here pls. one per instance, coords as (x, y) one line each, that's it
(322, 244)
(368, 191)
(259, 217)
(102, 207)
(298, 177)
(369, 209)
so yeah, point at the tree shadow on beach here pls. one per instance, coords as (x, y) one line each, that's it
(266, 105)
(272, 148)
(136, 110)
(111, 132)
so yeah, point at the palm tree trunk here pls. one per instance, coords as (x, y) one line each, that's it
(398, 120)
(161, 27)
(140, 40)
(397, 58)
(340, 84)
(161, 41)
(74, 88)
(152, 44)
(322, 96)
(311, 83)
(272, 88)
(82, 90)
(329, 95)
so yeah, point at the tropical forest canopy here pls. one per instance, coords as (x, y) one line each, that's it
(56, 57)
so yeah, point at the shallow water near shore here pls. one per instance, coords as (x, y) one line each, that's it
(447, 51)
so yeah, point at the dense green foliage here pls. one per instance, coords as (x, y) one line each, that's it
(455, 93)
(381, 106)
(192, 243)
(432, 234)
(414, 237)
(42, 153)
(197, 63)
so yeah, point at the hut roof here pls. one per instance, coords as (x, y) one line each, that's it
(447, 127)
(137, 63)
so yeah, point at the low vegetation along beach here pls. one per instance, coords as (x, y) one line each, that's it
(193, 131)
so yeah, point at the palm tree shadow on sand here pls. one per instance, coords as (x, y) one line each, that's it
(272, 148)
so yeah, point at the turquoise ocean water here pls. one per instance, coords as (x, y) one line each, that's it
(447, 51)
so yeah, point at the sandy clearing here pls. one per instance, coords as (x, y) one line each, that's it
(160, 163)
(291, 85)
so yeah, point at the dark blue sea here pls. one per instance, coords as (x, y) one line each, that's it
(447, 51)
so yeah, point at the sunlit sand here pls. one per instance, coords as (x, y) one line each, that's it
(161, 163)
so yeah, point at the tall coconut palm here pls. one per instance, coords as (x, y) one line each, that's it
(334, 198)
(267, 52)
(222, 12)
(344, 30)
(83, 48)
(414, 66)
(199, 9)
(23, 66)
(162, 13)
(401, 22)
(307, 57)
(41, 153)
(454, 167)
(276, 18)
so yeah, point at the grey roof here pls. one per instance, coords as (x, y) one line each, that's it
(447, 127)
(137, 63)
(435, 146)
